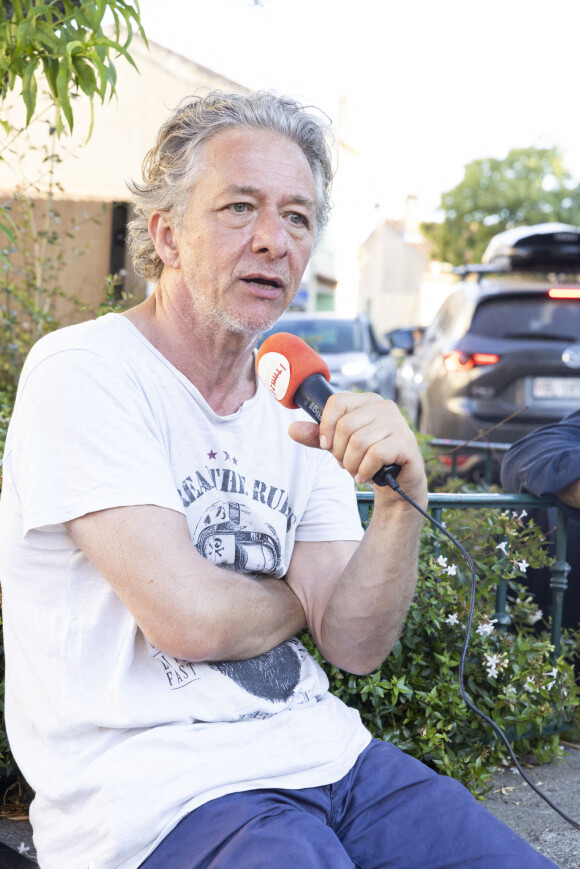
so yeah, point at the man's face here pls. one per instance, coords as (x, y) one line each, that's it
(248, 230)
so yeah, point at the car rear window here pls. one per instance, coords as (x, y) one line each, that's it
(528, 317)
(324, 336)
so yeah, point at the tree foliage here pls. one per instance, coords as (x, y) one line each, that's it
(63, 42)
(529, 186)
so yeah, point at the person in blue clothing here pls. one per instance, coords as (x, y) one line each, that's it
(547, 462)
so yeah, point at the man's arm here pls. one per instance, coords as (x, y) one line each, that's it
(185, 605)
(570, 495)
(356, 595)
(546, 462)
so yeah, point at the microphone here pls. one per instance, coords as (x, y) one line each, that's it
(298, 377)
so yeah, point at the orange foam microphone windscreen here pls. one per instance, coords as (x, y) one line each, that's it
(283, 363)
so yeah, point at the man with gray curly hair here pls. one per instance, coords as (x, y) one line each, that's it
(163, 541)
(171, 166)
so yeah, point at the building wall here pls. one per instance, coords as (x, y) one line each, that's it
(392, 271)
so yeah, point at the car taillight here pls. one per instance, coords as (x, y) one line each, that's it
(447, 460)
(456, 360)
(564, 293)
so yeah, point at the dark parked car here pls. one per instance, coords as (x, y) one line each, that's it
(350, 348)
(502, 355)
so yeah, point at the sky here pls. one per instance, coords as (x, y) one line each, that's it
(429, 84)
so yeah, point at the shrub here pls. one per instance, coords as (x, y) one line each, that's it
(413, 699)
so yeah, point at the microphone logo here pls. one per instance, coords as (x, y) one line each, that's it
(274, 372)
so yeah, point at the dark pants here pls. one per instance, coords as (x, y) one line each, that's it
(390, 810)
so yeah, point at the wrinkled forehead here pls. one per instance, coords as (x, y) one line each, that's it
(253, 150)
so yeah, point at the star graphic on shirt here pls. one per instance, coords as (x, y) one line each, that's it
(234, 460)
(211, 454)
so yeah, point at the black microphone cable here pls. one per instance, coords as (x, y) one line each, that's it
(389, 479)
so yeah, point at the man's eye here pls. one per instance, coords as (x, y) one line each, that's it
(239, 207)
(298, 219)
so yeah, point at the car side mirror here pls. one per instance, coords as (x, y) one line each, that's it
(402, 340)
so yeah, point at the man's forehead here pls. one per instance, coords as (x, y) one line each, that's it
(242, 150)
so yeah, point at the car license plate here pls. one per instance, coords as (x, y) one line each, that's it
(556, 387)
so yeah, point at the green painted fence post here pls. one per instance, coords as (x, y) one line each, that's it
(559, 582)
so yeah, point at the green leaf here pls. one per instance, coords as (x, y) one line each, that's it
(7, 230)
(108, 43)
(86, 76)
(73, 47)
(50, 66)
(45, 36)
(99, 13)
(96, 57)
(29, 89)
(22, 34)
(62, 81)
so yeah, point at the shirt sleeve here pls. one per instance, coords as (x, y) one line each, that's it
(83, 438)
(545, 460)
(332, 510)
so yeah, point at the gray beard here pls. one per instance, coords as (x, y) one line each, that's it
(219, 319)
(225, 320)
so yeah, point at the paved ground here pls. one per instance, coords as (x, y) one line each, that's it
(518, 806)
(16, 848)
(511, 800)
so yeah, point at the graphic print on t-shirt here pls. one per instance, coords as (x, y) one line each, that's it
(226, 536)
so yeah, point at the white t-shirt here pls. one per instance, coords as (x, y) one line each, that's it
(118, 739)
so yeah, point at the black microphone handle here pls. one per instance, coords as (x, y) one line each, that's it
(312, 395)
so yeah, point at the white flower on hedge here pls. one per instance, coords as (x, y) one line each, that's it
(442, 561)
(485, 629)
(522, 565)
(492, 662)
(523, 514)
(452, 570)
(502, 546)
(554, 674)
(452, 619)
(535, 617)
(530, 685)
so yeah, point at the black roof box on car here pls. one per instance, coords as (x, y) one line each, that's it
(544, 247)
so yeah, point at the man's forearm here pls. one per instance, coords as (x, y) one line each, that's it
(355, 602)
(245, 620)
(363, 617)
(185, 605)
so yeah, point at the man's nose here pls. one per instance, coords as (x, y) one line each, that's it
(270, 234)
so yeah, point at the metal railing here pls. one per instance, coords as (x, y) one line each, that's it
(559, 569)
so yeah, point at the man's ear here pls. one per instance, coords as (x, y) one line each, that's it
(163, 237)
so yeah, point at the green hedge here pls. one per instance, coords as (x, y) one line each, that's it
(413, 699)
